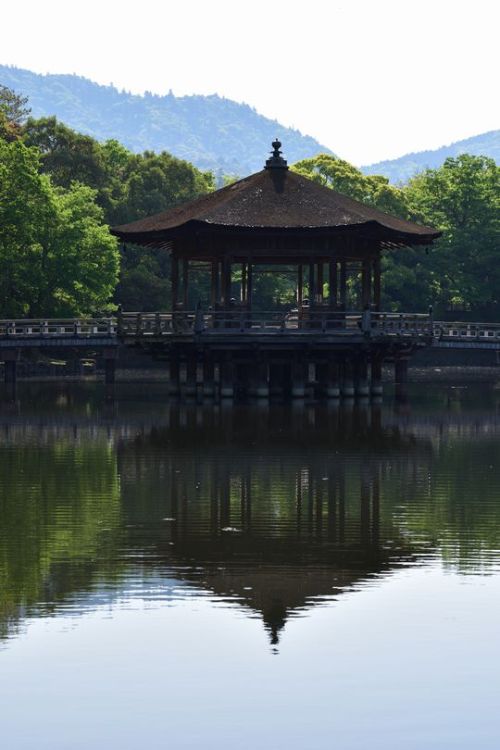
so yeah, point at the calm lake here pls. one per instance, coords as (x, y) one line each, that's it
(285, 577)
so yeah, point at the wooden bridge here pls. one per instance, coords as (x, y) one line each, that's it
(130, 328)
(261, 352)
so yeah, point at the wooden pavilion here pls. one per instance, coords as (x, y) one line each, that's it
(273, 218)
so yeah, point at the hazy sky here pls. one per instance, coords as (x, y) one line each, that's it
(371, 79)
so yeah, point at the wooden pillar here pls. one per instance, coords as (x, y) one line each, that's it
(332, 284)
(366, 283)
(243, 290)
(249, 284)
(226, 282)
(343, 284)
(174, 277)
(377, 283)
(320, 278)
(214, 286)
(185, 282)
(300, 285)
(312, 285)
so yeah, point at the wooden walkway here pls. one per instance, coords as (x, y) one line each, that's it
(129, 328)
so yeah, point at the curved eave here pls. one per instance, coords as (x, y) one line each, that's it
(375, 230)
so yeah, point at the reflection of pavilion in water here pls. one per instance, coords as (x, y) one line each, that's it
(276, 511)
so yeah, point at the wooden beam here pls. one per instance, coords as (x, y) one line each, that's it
(332, 283)
(174, 278)
(320, 280)
(300, 285)
(343, 284)
(377, 285)
(243, 290)
(214, 286)
(366, 282)
(249, 284)
(312, 285)
(226, 281)
(185, 282)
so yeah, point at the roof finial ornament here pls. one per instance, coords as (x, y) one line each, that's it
(276, 161)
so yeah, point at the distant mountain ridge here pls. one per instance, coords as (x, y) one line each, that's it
(210, 131)
(401, 169)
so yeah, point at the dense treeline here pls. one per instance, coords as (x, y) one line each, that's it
(60, 190)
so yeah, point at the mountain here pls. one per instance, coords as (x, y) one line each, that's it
(400, 170)
(210, 131)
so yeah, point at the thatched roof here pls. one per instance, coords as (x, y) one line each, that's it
(275, 200)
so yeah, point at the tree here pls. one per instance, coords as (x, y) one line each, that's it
(67, 156)
(13, 112)
(462, 198)
(339, 175)
(56, 254)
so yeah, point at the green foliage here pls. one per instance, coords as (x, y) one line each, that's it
(57, 256)
(462, 198)
(345, 178)
(13, 111)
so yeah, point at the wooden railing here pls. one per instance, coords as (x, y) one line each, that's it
(460, 331)
(59, 327)
(133, 325)
(246, 322)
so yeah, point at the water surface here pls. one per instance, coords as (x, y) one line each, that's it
(304, 576)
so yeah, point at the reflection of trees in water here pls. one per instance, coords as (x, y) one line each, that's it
(276, 509)
(59, 507)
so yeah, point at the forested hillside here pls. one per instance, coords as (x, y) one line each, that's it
(402, 169)
(208, 131)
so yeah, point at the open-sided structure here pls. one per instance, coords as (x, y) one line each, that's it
(277, 218)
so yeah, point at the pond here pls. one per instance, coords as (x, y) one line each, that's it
(249, 576)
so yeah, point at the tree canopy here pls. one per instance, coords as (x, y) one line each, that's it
(59, 189)
(56, 254)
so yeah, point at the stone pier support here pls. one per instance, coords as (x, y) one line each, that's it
(191, 376)
(175, 376)
(347, 384)
(298, 378)
(10, 358)
(208, 387)
(262, 379)
(362, 382)
(110, 356)
(226, 369)
(376, 380)
(332, 380)
(278, 379)
(401, 371)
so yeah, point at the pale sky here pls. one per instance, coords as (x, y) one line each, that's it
(370, 79)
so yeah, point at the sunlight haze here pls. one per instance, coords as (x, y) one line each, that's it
(370, 80)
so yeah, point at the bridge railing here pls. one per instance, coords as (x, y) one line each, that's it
(269, 322)
(458, 330)
(58, 327)
(149, 325)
